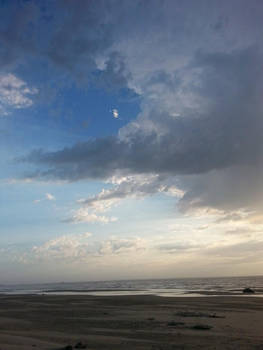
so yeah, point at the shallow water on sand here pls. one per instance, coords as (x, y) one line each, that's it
(163, 287)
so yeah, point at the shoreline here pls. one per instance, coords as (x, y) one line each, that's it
(143, 322)
(127, 292)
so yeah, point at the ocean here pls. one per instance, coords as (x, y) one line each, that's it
(224, 286)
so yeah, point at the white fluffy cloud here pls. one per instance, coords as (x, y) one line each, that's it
(14, 93)
(203, 252)
(87, 215)
(115, 113)
(131, 186)
(80, 248)
(69, 247)
(50, 197)
(128, 187)
(121, 246)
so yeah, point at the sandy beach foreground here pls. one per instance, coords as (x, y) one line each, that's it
(130, 322)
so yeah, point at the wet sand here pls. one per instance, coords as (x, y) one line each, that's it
(130, 322)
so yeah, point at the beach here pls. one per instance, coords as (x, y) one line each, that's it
(130, 322)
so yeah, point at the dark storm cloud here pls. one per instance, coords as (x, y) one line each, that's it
(68, 34)
(198, 69)
(227, 132)
(79, 35)
(18, 24)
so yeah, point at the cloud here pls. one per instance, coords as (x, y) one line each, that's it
(132, 186)
(77, 248)
(50, 197)
(192, 255)
(68, 247)
(241, 231)
(112, 74)
(121, 246)
(14, 93)
(222, 140)
(179, 145)
(84, 215)
(128, 187)
(115, 113)
(231, 217)
(248, 251)
(201, 100)
(179, 247)
(15, 36)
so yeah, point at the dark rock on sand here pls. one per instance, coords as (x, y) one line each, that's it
(248, 291)
(198, 314)
(202, 327)
(174, 324)
(79, 345)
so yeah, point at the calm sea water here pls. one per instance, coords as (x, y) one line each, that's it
(163, 287)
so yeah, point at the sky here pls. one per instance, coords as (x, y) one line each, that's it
(130, 139)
